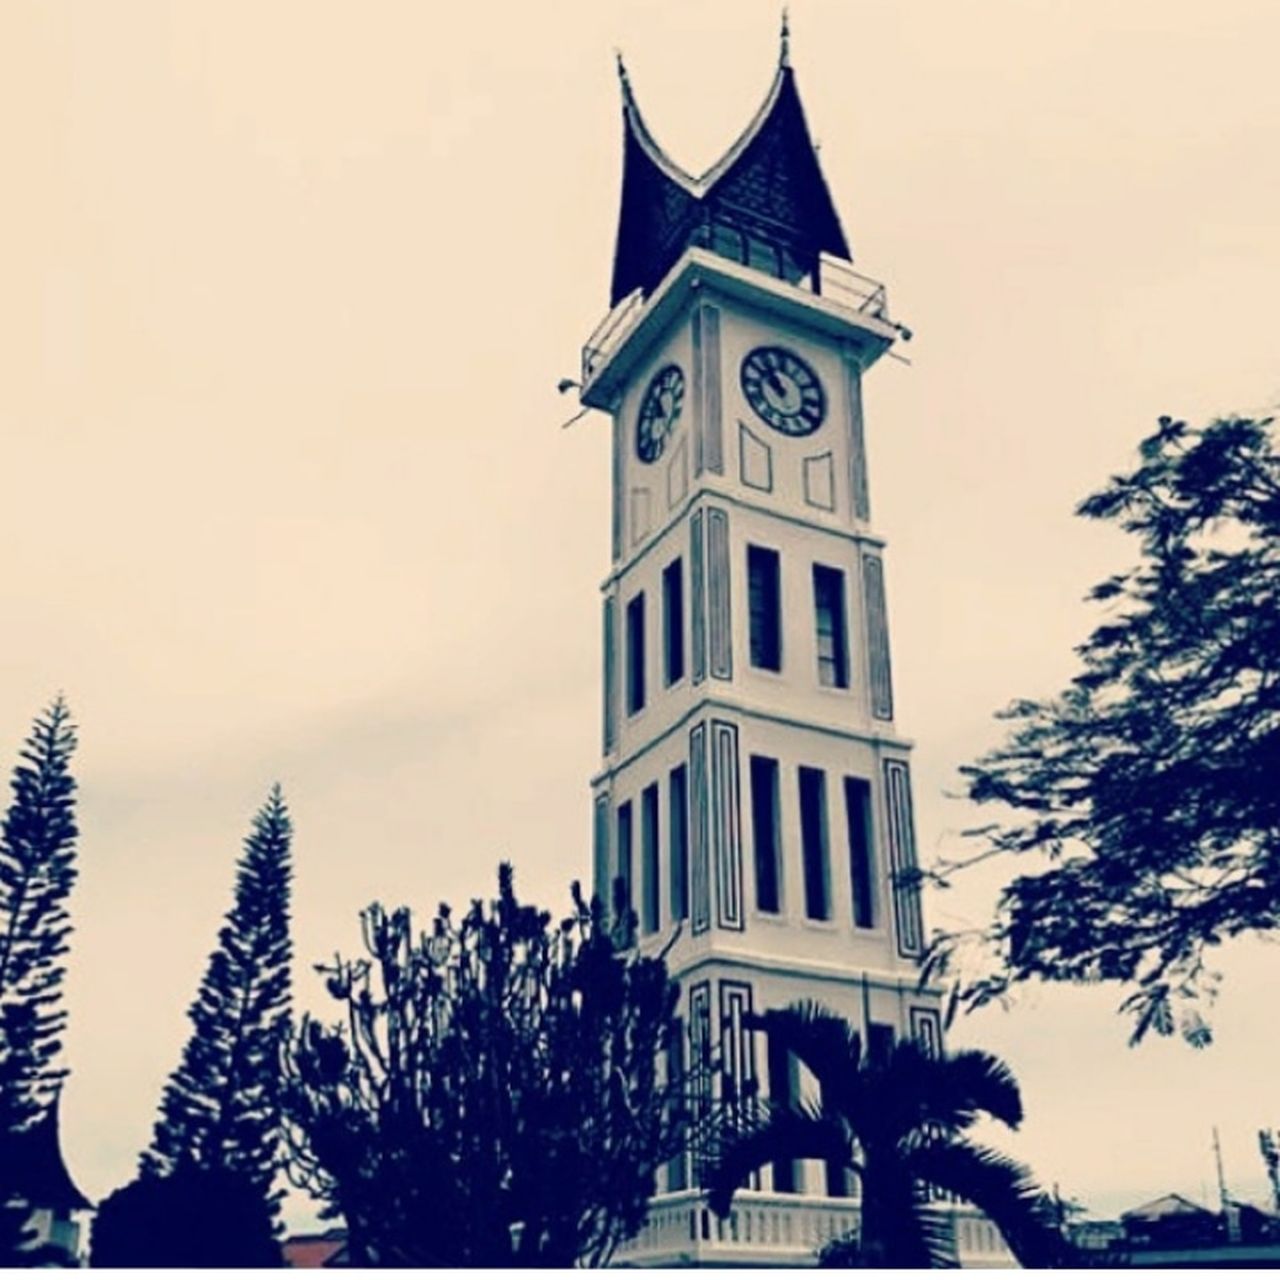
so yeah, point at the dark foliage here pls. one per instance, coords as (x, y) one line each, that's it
(897, 1127)
(1151, 785)
(493, 1097)
(193, 1217)
(221, 1107)
(37, 871)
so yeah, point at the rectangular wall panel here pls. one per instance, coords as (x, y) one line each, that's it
(878, 638)
(737, 1042)
(610, 675)
(700, 1060)
(902, 858)
(698, 592)
(726, 825)
(719, 606)
(926, 1030)
(859, 488)
(699, 824)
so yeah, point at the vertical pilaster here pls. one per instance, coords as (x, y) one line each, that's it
(859, 488)
(726, 824)
(698, 828)
(908, 926)
(698, 592)
(719, 604)
(880, 671)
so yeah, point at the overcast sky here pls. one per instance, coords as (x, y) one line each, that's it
(285, 292)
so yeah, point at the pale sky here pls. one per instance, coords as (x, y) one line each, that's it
(285, 292)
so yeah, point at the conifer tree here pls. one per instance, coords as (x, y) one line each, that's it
(37, 871)
(220, 1108)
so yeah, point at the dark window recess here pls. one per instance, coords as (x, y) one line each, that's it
(782, 1093)
(813, 839)
(879, 1043)
(635, 653)
(764, 830)
(673, 621)
(623, 889)
(862, 871)
(829, 619)
(764, 595)
(678, 818)
(649, 919)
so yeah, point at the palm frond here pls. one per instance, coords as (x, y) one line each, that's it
(953, 1089)
(1002, 1189)
(782, 1133)
(825, 1042)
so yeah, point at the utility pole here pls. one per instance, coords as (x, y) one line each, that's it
(1222, 1181)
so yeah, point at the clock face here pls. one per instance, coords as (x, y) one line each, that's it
(783, 390)
(659, 412)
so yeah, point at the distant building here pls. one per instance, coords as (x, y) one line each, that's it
(58, 1207)
(1174, 1232)
(317, 1249)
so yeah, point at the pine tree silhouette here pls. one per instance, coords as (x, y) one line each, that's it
(37, 871)
(220, 1109)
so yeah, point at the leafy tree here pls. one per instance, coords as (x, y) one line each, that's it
(192, 1218)
(37, 871)
(221, 1107)
(897, 1127)
(1151, 785)
(493, 1096)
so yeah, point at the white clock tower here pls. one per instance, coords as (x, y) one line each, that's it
(754, 799)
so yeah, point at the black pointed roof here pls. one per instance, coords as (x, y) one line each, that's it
(768, 186)
(36, 1153)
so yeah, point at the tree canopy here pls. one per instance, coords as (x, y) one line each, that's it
(221, 1107)
(191, 1218)
(37, 871)
(1151, 784)
(493, 1096)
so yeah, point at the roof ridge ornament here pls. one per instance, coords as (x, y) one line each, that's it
(784, 48)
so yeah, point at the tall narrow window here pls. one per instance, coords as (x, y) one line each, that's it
(829, 620)
(673, 621)
(624, 854)
(635, 653)
(782, 1093)
(879, 1043)
(649, 914)
(678, 819)
(765, 605)
(857, 806)
(813, 839)
(764, 830)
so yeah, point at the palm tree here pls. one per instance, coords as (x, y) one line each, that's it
(897, 1127)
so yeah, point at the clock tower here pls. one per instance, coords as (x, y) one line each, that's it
(754, 799)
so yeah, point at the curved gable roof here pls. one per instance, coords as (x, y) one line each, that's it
(770, 174)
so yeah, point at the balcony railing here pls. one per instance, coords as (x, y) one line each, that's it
(765, 1227)
(760, 1225)
(834, 279)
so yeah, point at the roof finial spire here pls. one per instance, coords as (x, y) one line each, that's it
(784, 51)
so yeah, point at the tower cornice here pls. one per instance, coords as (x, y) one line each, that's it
(844, 305)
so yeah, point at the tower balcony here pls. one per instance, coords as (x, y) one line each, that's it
(832, 297)
(766, 1228)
